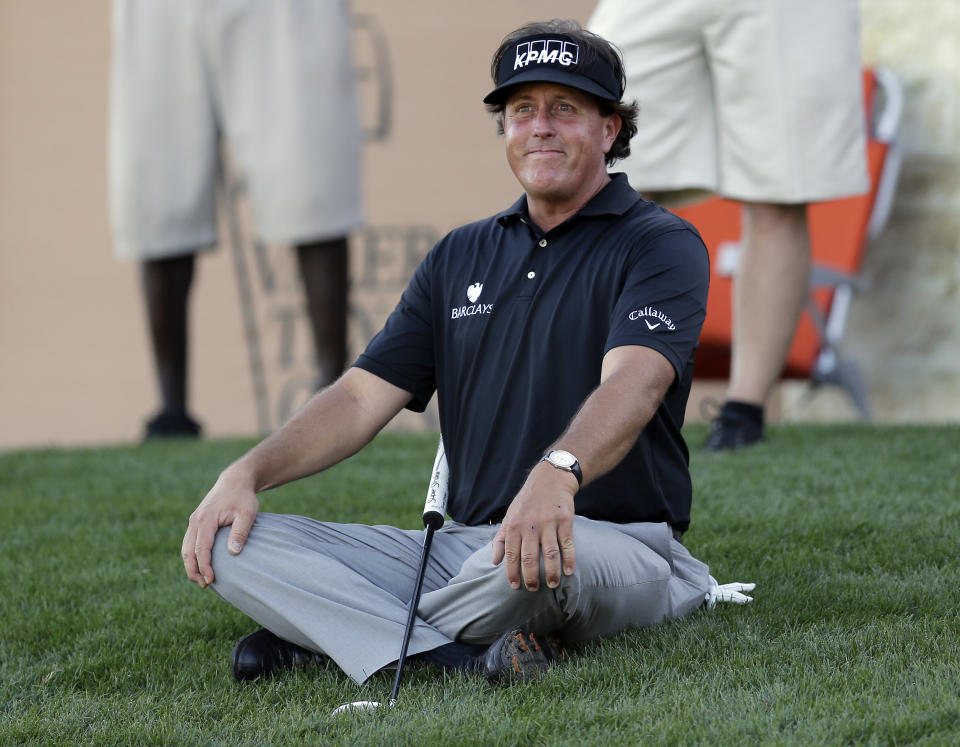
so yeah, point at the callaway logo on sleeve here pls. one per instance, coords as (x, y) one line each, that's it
(653, 318)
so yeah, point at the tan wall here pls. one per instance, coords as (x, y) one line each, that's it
(74, 365)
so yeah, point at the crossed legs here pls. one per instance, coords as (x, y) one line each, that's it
(343, 589)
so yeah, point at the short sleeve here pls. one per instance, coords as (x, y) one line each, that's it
(402, 353)
(664, 298)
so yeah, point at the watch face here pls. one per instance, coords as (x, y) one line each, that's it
(562, 458)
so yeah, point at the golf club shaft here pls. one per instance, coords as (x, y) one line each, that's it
(412, 612)
(434, 509)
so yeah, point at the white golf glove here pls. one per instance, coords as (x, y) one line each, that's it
(727, 593)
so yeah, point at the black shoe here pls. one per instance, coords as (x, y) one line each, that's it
(261, 654)
(170, 425)
(738, 425)
(518, 655)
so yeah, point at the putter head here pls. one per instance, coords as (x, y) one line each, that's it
(358, 705)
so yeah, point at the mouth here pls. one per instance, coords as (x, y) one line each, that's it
(545, 152)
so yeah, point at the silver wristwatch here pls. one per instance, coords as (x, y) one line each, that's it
(566, 461)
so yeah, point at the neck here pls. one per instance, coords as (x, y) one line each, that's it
(547, 214)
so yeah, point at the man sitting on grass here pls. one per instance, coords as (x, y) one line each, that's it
(559, 337)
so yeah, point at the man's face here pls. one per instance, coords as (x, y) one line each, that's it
(556, 141)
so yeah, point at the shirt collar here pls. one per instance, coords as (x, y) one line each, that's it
(615, 198)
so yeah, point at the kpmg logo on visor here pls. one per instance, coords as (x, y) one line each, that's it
(546, 51)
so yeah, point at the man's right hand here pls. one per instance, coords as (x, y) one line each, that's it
(231, 501)
(335, 423)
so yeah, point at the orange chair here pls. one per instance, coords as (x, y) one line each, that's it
(839, 233)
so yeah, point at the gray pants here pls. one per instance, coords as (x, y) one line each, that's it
(343, 589)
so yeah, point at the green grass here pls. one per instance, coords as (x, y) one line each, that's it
(850, 532)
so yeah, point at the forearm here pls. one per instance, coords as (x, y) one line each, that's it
(612, 417)
(539, 521)
(334, 424)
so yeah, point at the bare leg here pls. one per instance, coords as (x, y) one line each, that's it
(166, 287)
(324, 268)
(769, 295)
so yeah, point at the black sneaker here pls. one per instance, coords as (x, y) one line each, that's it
(518, 655)
(738, 425)
(172, 425)
(261, 654)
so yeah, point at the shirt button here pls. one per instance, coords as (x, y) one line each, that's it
(543, 242)
(531, 275)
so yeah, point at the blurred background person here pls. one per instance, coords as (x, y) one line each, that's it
(275, 80)
(760, 102)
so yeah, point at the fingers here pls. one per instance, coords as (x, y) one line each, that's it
(498, 545)
(523, 550)
(239, 532)
(189, 556)
(230, 502)
(537, 532)
(197, 549)
(567, 552)
(728, 593)
(559, 557)
(197, 546)
(550, 550)
(530, 559)
(506, 547)
(203, 550)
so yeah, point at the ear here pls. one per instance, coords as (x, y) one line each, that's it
(611, 128)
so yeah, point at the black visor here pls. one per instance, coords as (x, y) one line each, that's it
(554, 58)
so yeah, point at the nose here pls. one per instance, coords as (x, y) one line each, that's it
(543, 124)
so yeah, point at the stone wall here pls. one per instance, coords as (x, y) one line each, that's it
(905, 329)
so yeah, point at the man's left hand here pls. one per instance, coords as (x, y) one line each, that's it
(539, 523)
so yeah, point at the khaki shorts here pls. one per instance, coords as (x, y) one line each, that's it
(758, 100)
(274, 79)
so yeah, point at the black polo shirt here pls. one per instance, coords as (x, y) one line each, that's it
(510, 325)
